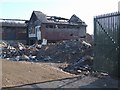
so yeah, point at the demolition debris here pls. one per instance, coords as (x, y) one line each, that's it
(77, 53)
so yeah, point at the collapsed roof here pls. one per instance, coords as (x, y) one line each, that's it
(55, 19)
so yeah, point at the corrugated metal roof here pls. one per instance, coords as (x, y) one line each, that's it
(10, 24)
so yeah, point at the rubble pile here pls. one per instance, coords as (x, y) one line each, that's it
(65, 51)
(2, 45)
(76, 53)
(18, 51)
(83, 65)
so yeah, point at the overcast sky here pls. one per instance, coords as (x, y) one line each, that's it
(84, 9)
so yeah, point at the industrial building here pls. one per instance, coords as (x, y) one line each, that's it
(53, 28)
(13, 30)
(42, 27)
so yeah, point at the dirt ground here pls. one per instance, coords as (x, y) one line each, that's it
(47, 74)
(18, 73)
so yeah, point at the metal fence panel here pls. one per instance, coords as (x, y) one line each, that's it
(107, 39)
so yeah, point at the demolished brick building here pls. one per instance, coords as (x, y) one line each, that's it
(41, 26)
(53, 28)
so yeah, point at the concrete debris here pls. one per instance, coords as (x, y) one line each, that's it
(3, 44)
(86, 44)
(18, 51)
(44, 42)
(83, 64)
(32, 57)
(47, 58)
(64, 51)
(77, 53)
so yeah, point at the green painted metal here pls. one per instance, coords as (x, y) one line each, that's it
(107, 43)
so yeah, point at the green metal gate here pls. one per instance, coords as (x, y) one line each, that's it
(107, 43)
